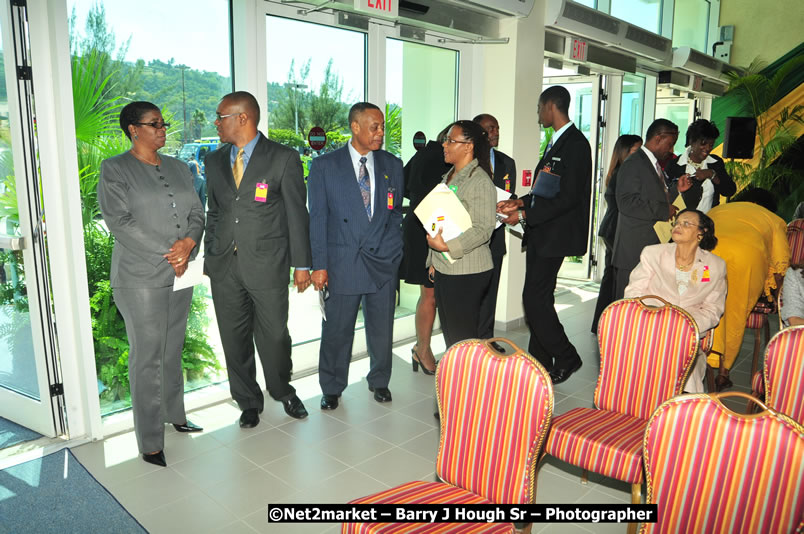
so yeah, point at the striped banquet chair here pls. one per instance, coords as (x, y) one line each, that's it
(795, 238)
(495, 410)
(646, 353)
(756, 486)
(782, 379)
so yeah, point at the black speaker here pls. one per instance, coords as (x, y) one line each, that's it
(741, 132)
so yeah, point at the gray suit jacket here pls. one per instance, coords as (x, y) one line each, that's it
(270, 236)
(147, 210)
(642, 202)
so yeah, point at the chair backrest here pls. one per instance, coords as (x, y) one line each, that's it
(711, 470)
(646, 353)
(495, 413)
(784, 373)
(795, 238)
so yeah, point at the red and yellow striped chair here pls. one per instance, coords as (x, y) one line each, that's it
(795, 238)
(646, 353)
(495, 412)
(754, 486)
(782, 380)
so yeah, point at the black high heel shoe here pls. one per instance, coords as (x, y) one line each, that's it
(416, 361)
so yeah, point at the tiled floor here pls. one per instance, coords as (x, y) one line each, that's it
(222, 479)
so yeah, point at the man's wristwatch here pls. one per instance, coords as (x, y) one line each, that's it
(521, 219)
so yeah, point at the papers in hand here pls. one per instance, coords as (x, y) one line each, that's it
(664, 229)
(502, 194)
(442, 210)
(193, 276)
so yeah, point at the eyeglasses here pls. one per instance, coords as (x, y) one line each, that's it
(220, 117)
(449, 141)
(685, 224)
(155, 125)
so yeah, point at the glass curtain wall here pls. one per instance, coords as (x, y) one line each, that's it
(178, 58)
(691, 24)
(643, 13)
(632, 106)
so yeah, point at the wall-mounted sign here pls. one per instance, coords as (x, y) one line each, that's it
(419, 140)
(317, 138)
(579, 49)
(383, 8)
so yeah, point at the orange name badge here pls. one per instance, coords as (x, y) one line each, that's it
(390, 198)
(261, 193)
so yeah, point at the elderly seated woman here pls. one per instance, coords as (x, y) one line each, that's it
(686, 274)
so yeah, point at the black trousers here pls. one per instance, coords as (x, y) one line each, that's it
(606, 294)
(458, 298)
(247, 316)
(488, 306)
(548, 342)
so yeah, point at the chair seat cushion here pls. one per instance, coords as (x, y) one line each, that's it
(604, 442)
(756, 320)
(419, 492)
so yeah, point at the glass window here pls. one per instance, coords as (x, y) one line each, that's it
(677, 111)
(633, 101)
(643, 13)
(587, 3)
(178, 57)
(691, 24)
(307, 88)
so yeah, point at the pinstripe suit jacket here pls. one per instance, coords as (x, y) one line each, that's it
(359, 255)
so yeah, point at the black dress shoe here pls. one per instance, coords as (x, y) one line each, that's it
(329, 402)
(561, 374)
(295, 408)
(381, 394)
(187, 427)
(157, 458)
(249, 418)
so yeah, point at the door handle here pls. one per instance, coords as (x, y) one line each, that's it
(12, 243)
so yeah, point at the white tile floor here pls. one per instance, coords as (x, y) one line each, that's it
(222, 479)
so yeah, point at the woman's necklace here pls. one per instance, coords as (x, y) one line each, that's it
(158, 159)
(684, 267)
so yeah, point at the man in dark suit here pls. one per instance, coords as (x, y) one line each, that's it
(504, 169)
(257, 228)
(555, 228)
(356, 237)
(643, 199)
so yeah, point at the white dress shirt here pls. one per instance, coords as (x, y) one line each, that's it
(369, 167)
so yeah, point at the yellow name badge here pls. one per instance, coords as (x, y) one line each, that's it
(261, 194)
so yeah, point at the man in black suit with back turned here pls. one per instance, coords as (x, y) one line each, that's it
(503, 169)
(554, 228)
(257, 228)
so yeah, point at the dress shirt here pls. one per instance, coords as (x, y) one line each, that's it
(653, 160)
(491, 159)
(369, 167)
(557, 134)
(247, 151)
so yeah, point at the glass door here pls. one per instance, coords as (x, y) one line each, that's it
(30, 393)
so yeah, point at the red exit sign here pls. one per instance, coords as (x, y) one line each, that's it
(579, 49)
(383, 8)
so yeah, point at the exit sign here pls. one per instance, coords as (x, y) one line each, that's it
(383, 8)
(579, 49)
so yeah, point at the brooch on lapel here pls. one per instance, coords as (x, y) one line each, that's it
(705, 277)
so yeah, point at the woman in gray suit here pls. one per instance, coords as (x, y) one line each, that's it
(151, 208)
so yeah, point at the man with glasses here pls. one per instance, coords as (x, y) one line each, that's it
(644, 199)
(356, 237)
(257, 228)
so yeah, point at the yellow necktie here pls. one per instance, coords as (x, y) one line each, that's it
(237, 168)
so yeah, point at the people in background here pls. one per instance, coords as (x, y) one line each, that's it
(753, 242)
(555, 228)
(356, 234)
(257, 228)
(709, 179)
(643, 199)
(624, 147)
(199, 182)
(687, 274)
(503, 174)
(422, 173)
(792, 311)
(149, 205)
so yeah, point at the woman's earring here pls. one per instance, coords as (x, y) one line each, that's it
(135, 137)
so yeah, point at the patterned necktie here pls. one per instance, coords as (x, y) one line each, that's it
(237, 168)
(661, 179)
(365, 185)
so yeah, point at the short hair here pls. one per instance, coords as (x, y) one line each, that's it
(660, 127)
(133, 113)
(473, 132)
(707, 227)
(757, 195)
(483, 116)
(559, 96)
(701, 129)
(247, 103)
(359, 108)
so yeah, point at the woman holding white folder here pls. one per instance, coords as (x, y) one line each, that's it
(461, 286)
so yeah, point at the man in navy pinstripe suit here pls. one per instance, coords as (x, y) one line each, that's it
(355, 197)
